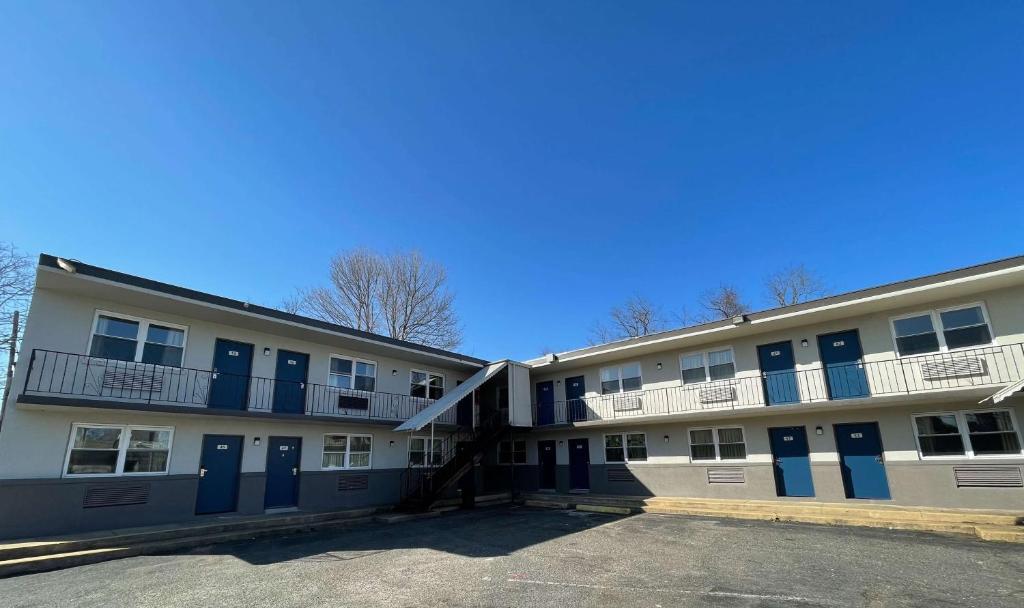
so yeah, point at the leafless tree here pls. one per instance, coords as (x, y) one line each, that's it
(636, 317)
(724, 302)
(401, 295)
(794, 285)
(16, 280)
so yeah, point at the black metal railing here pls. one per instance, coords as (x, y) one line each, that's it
(988, 366)
(58, 374)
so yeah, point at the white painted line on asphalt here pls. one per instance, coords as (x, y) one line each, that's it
(752, 596)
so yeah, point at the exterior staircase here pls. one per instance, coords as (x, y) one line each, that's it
(1005, 526)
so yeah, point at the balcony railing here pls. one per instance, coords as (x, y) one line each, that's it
(83, 377)
(980, 367)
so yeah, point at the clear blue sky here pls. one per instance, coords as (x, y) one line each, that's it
(557, 157)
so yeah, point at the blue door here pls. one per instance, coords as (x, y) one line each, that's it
(282, 472)
(778, 373)
(844, 371)
(229, 382)
(575, 388)
(792, 461)
(219, 470)
(545, 402)
(290, 382)
(579, 464)
(860, 458)
(548, 465)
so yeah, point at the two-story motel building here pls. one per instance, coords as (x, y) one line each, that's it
(137, 402)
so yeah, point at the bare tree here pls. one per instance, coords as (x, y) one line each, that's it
(794, 285)
(636, 317)
(724, 302)
(16, 281)
(401, 295)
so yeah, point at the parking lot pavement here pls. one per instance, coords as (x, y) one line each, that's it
(526, 557)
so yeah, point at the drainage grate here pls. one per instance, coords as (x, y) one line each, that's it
(988, 477)
(353, 482)
(116, 496)
(726, 475)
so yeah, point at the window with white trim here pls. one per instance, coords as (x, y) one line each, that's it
(127, 338)
(967, 434)
(708, 366)
(419, 456)
(348, 372)
(941, 330)
(346, 451)
(512, 452)
(100, 449)
(718, 443)
(426, 384)
(625, 447)
(621, 379)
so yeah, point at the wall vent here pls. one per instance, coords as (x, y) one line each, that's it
(349, 402)
(726, 475)
(116, 496)
(132, 380)
(353, 482)
(952, 368)
(717, 394)
(620, 474)
(973, 476)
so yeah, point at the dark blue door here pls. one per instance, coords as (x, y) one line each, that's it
(545, 402)
(778, 371)
(290, 382)
(229, 383)
(282, 472)
(575, 388)
(792, 461)
(219, 469)
(579, 464)
(844, 371)
(548, 465)
(860, 458)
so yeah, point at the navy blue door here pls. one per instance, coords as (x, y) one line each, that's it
(579, 464)
(282, 472)
(792, 461)
(778, 371)
(290, 382)
(575, 388)
(860, 458)
(219, 470)
(844, 371)
(545, 402)
(548, 465)
(229, 383)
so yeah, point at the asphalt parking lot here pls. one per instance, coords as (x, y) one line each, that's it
(526, 557)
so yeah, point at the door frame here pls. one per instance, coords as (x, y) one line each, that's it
(847, 491)
(586, 441)
(238, 477)
(554, 463)
(824, 365)
(551, 403)
(810, 471)
(304, 382)
(572, 403)
(248, 377)
(764, 374)
(297, 476)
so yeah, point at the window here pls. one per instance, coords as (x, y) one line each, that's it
(347, 451)
(621, 379)
(117, 450)
(352, 373)
(708, 366)
(118, 337)
(718, 443)
(426, 384)
(625, 447)
(967, 434)
(418, 455)
(512, 452)
(941, 330)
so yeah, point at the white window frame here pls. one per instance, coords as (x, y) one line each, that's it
(426, 443)
(348, 452)
(122, 449)
(707, 368)
(444, 383)
(965, 434)
(140, 342)
(512, 452)
(353, 360)
(618, 372)
(625, 447)
(940, 333)
(714, 438)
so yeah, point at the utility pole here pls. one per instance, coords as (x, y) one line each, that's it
(10, 366)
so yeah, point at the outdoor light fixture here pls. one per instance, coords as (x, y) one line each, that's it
(666, 438)
(256, 441)
(803, 343)
(67, 266)
(391, 443)
(394, 372)
(739, 319)
(819, 431)
(659, 365)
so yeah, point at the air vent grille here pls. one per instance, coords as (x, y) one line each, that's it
(116, 496)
